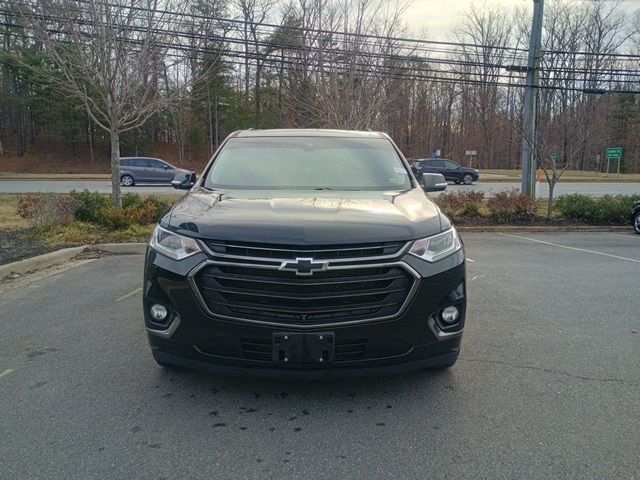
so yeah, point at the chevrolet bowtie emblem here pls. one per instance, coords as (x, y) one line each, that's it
(303, 266)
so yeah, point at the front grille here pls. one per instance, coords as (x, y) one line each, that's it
(317, 252)
(332, 296)
(262, 350)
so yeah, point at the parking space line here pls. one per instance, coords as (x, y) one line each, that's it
(137, 290)
(6, 372)
(470, 260)
(593, 252)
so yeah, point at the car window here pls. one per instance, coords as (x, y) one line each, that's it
(450, 165)
(309, 163)
(156, 164)
(125, 162)
(433, 163)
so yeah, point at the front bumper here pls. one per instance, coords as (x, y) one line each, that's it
(196, 339)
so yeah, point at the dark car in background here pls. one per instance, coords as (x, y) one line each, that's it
(635, 217)
(146, 170)
(451, 171)
(306, 253)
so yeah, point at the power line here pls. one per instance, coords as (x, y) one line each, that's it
(393, 70)
(334, 52)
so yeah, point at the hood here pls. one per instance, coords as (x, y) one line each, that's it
(305, 218)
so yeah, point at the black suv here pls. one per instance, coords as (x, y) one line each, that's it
(451, 171)
(305, 253)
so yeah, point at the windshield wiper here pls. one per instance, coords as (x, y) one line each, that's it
(323, 188)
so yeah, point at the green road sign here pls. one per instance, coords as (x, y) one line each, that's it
(614, 153)
(555, 156)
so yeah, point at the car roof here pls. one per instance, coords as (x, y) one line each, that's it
(307, 132)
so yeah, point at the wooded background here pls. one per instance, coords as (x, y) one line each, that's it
(350, 64)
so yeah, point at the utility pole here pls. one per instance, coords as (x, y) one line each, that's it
(530, 114)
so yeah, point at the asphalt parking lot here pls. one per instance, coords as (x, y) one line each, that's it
(547, 386)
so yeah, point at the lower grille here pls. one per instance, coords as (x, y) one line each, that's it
(262, 350)
(334, 295)
(257, 349)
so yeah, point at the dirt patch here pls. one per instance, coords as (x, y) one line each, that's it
(18, 244)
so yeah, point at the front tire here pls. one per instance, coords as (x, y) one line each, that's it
(636, 223)
(467, 179)
(127, 181)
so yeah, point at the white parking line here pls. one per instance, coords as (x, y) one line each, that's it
(470, 260)
(593, 252)
(137, 290)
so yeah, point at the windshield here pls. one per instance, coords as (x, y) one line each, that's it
(308, 163)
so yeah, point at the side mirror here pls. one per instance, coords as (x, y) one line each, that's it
(184, 181)
(433, 182)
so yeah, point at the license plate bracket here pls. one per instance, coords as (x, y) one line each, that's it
(318, 348)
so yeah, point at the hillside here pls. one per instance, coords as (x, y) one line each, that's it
(56, 158)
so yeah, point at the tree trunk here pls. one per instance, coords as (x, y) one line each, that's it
(115, 168)
(210, 120)
(22, 137)
(257, 95)
(552, 185)
(90, 140)
(215, 122)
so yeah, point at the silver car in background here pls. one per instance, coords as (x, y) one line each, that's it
(146, 170)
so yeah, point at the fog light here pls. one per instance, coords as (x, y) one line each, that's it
(450, 315)
(158, 312)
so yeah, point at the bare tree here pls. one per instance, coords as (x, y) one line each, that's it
(254, 12)
(111, 56)
(546, 152)
(489, 32)
(553, 170)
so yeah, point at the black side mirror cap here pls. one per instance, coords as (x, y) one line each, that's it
(184, 181)
(433, 182)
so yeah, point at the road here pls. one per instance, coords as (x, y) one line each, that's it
(63, 186)
(547, 386)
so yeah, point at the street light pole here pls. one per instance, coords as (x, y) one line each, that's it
(530, 115)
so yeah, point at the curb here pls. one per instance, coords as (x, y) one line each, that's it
(54, 176)
(542, 229)
(568, 180)
(66, 254)
(121, 248)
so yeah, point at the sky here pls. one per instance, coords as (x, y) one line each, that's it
(436, 18)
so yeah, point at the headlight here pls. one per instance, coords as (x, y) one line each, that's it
(173, 245)
(437, 247)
